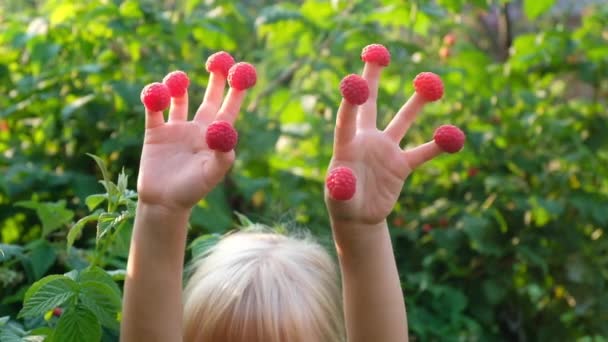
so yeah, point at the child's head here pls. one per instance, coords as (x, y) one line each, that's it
(259, 286)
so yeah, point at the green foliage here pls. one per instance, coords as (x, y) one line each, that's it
(516, 244)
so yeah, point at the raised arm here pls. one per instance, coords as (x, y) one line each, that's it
(181, 162)
(364, 181)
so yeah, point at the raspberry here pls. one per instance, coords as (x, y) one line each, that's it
(472, 172)
(242, 76)
(341, 183)
(429, 86)
(376, 53)
(155, 96)
(449, 39)
(57, 312)
(221, 136)
(449, 138)
(427, 227)
(177, 82)
(354, 89)
(220, 62)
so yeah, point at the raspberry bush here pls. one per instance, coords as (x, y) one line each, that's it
(504, 241)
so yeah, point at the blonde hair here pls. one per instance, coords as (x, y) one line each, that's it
(264, 287)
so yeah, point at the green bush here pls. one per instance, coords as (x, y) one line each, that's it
(503, 241)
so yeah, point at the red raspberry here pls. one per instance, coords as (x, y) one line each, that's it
(341, 183)
(429, 86)
(177, 82)
(354, 89)
(449, 138)
(376, 53)
(57, 312)
(220, 62)
(242, 76)
(449, 39)
(427, 227)
(472, 172)
(155, 96)
(221, 136)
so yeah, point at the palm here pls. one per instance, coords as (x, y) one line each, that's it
(177, 168)
(381, 171)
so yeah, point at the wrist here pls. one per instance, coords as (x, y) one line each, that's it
(355, 237)
(161, 217)
(162, 210)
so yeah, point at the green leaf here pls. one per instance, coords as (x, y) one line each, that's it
(76, 324)
(277, 13)
(534, 8)
(243, 220)
(94, 200)
(102, 300)
(121, 184)
(11, 332)
(47, 294)
(99, 275)
(118, 275)
(203, 243)
(67, 111)
(213, 213)
(105, 222)
(76, 229)
(9, 251)
(102, 167)
(42, 257)
(52, 214)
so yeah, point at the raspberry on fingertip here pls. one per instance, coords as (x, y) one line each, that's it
(449, 138)
(177, 82)
(429, 86)
(354, 89)
(220, 62)
(242, 76)
(156, 97)
(376, 53)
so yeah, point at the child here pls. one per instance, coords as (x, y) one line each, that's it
(264, 287)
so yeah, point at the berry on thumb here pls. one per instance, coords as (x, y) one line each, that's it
(341, 184)
(449, 138)
(221, 136)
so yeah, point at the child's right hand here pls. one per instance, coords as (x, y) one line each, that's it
(375, 157)
(177, 166)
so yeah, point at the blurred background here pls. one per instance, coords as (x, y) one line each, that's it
(505, 241)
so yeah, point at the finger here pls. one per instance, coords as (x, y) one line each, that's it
(179, 108)
(232, 105)
(212, 100)
(400, 124)
(345, 125)
(369, 111)
(420, 154)
(154, 119)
